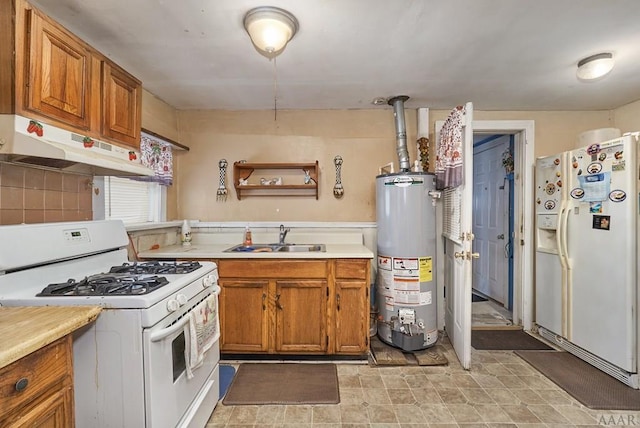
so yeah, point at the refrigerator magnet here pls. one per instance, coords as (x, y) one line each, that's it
(549, 205)
(617, 195)
(595, 207)
(594, 168)
(617, 165)
(577, 193)
(602, 222)
(593, 149)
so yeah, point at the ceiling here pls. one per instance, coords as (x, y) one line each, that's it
(499, 54)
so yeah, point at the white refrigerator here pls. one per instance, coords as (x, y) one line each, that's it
(586, 291)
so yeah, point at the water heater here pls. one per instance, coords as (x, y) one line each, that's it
(406, 277)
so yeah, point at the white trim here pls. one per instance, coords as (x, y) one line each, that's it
(523, 193)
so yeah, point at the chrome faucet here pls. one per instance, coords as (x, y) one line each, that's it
(283, 234)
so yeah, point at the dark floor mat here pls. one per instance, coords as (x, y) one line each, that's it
(278, 383)
(505, 340)
(477, 298)
(590, 386)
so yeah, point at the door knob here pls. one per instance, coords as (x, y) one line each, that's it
(465, 255)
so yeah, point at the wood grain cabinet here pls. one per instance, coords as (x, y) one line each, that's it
(273, 306)
(49, 74)
(59, 73)
(37, 390)
(352, 306)
(294, 306)
(121, 102)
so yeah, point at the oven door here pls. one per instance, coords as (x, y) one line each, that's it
(171, 398)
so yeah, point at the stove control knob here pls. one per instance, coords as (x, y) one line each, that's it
(173, 305)
(209, 280)
(182, 299)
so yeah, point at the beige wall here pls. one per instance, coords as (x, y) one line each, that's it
(364, 138)
(627, 118)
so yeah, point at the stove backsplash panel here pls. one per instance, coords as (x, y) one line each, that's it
(32, 195)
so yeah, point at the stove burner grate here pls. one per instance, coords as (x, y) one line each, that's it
(153, 267)
(106, 285)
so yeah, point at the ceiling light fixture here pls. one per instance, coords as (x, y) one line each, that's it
(270, 29)
(595, 66)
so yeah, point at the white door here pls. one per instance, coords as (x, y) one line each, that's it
(491, 220)
(457, 226)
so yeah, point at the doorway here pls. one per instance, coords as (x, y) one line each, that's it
(493, 209)
(522, 132)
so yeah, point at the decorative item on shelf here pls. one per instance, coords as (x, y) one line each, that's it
(87, 142)
(35, 127)
(132, 155)
(307, 177)
(276, 181)
(338, 190)
(423, 148)
(221, 194)
(243, 182)
(507, 161)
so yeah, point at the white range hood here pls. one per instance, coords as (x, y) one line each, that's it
(64, 150)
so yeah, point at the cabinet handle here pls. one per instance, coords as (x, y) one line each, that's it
(278, 305)
(264, 298)
(22, 384)
(338, 299)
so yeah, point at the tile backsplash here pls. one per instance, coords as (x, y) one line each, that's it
(32, 195)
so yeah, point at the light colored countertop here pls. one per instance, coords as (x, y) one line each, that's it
(24, 330)
(216, 251)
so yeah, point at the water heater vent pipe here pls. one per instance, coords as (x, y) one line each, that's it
(401, 131)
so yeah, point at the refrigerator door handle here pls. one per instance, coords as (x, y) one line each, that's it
(566, 268)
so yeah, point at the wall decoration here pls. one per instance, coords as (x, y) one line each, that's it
(221, 194)
(423, 149)
(338, 190)
(507, 161)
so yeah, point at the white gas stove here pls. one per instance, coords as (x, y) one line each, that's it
(132, 366)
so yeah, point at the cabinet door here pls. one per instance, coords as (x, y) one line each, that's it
(121, 105)
(58, 73)
(301, 315)
(244, 319)
(352, 316)
(55, 411)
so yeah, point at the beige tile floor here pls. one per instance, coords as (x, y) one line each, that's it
(500, 390)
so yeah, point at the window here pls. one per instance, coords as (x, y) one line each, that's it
(137, 200)
(129, 200)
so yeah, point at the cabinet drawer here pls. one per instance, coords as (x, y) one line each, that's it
(41, 370)
(281, 268)
(351, 268)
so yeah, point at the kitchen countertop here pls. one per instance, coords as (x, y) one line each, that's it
(24, 330)
(216, 251)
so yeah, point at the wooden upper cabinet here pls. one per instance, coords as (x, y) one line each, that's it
(59, 71)
(121, 105)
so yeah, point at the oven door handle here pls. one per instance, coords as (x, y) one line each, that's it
(159, 335)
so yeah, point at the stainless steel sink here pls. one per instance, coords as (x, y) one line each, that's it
(318, 248)
(258, 248)
(252, 248)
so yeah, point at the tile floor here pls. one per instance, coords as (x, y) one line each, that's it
(500, 390)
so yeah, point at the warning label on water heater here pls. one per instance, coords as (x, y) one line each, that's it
(400, 277)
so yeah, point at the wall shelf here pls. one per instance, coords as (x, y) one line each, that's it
(292, 175)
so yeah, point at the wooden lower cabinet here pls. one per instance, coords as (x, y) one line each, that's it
(37, 390)
(294, 306)
(243, 307)
(301, 316)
